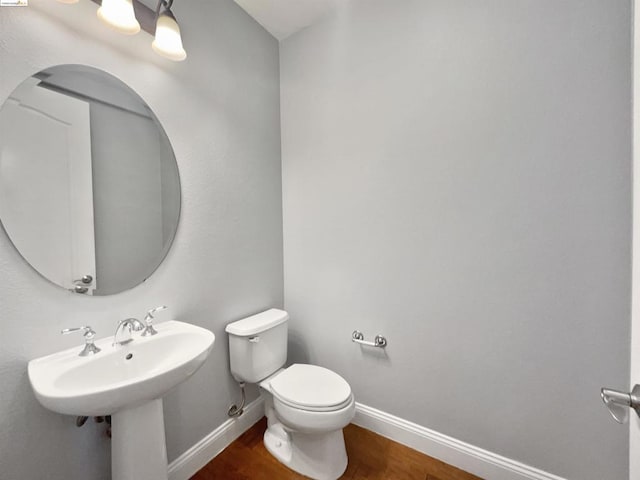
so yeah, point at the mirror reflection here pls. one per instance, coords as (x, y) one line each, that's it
(89, 185)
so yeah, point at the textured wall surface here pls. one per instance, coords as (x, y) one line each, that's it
(220, 108)
(456, 176)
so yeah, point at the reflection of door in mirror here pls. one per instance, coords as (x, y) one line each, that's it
(55, 223)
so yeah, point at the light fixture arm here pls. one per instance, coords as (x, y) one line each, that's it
(167, 6)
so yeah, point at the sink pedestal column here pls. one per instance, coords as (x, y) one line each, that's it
(138, 447)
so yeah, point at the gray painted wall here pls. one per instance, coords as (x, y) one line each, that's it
(220, 109)
(456, 176)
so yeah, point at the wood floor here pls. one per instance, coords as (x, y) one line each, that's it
(371, 457)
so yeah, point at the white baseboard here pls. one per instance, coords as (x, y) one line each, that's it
(467, 457)
(188, 464)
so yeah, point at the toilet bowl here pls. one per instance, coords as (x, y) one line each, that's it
(306, 406)
(311, 399)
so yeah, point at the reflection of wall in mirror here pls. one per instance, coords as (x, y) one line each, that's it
(127, 197)
(170, 192)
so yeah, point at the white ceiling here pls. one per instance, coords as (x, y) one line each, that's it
(285, 17)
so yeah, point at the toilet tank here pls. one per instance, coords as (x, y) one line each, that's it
(258, 345)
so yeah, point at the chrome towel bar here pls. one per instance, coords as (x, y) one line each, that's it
(358, 337)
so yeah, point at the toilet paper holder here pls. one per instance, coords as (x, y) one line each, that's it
(358, 337)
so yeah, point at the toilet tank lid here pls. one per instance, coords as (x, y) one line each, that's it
(257, 323)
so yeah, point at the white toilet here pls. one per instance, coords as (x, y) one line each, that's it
(306, 406)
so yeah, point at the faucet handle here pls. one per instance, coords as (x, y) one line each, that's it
(88, 331)
(89, 336)
(154, 310)
(148, 320)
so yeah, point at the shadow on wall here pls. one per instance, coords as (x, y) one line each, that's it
(378, 355)
(298, 351)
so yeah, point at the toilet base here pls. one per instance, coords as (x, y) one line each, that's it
(319, 456)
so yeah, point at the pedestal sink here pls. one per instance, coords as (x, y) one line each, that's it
(126, 382)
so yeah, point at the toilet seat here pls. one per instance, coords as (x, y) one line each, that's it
(311, 388)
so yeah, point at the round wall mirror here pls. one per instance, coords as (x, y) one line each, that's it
(89, 185)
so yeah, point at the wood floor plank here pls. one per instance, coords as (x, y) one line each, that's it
(371, 457)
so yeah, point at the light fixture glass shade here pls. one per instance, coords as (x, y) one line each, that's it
(119, 15)
(168, 41)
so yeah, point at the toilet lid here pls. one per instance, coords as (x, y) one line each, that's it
(311, 386)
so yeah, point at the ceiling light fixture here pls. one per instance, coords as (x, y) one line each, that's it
(119, 15)
(168, 41)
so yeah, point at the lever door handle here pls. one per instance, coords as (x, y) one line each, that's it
(85, 280)
(619, 403)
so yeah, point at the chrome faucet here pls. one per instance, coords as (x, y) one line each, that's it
(124, 329)
(89, 336)
(148, 320)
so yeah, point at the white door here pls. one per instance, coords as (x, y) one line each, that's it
(45, 165)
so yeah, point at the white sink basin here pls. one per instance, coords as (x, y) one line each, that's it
(120, 376)
(127, 382)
